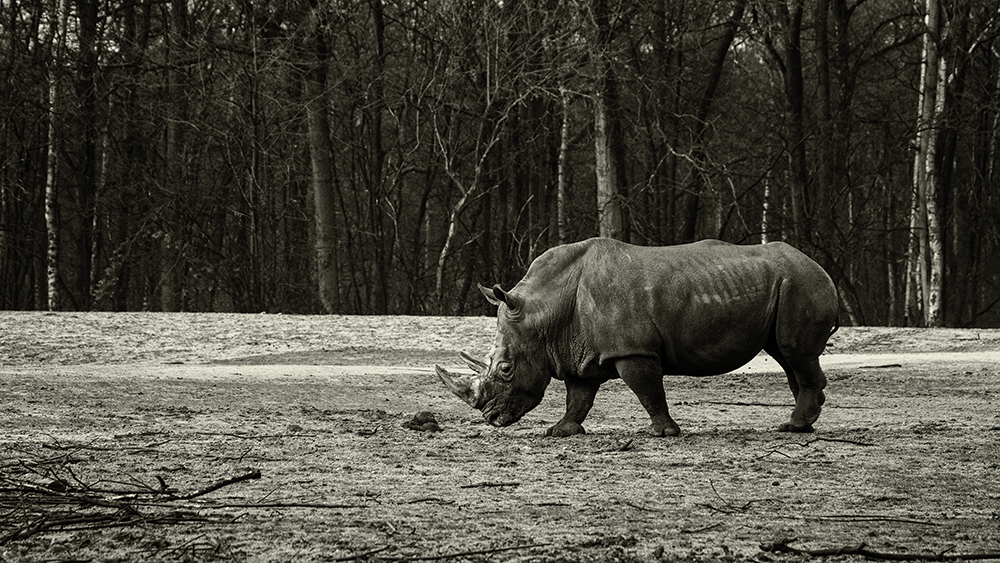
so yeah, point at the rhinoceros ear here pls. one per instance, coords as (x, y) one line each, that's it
(488, 294)
(496, 295)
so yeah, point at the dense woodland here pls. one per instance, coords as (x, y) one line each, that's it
(373, 157)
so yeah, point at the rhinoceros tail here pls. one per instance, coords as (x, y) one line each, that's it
(836, 320)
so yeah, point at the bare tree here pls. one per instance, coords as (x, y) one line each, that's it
(321, 164)
(606, 132)
(701, 127)
(57, 35)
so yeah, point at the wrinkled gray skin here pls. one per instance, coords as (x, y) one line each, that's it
(601, 309)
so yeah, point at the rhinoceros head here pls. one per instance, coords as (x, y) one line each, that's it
(512, 379)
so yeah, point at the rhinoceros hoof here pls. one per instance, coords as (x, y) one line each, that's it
(665, 431)
(565, 429)
(789, 427)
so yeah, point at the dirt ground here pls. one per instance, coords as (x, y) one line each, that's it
(113, 426)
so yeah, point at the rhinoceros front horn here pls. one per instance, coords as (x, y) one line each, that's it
(461, 386)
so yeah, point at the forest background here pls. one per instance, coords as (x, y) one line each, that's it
(373, 157)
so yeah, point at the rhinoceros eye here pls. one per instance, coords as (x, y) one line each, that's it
(506, 370)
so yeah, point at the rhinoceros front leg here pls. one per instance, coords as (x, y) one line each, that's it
(644, 376)
(580, 395)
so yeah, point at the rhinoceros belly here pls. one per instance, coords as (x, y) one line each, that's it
(713, 335)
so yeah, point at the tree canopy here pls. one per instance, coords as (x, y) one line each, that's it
(365, 157)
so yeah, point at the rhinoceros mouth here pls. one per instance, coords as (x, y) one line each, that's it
(499, 419)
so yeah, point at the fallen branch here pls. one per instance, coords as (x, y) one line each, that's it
(731, 508)
(772, 452)
(467, 553)
(253, 474)
(736, 403)
(429, 499)
(839, 440)
(860, 549)
(28, 508)
(871, 518)
(486, 484)
(285, 505)
(45, 524)
(756, 404)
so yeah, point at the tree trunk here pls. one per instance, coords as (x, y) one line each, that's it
(442, 260)
(321, 163)
(765, 213)
(795, 116)
(608, 205)
(58, 33)
(689, 226)
(933, 316)
(170, 257)
(561, 197)
(926, 257)
(609, 210)
(381, 241)
(825, 159)
(86, 90)
(487, 139)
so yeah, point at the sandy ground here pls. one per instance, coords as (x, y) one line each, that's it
(904, 460)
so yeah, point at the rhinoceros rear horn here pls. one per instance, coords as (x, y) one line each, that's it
(474, 364)
(461, 386)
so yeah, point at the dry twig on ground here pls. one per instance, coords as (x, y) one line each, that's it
(860, 549)
(64, 502)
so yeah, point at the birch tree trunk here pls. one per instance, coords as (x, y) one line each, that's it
(561, 180)
(933, 316)
(926, 256)
(765, 213)
(608, 205)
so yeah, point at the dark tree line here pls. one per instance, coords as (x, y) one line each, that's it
(363, 156)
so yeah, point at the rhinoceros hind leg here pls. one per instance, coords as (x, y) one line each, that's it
(810, 399)
(644, 376)
(807, 381)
